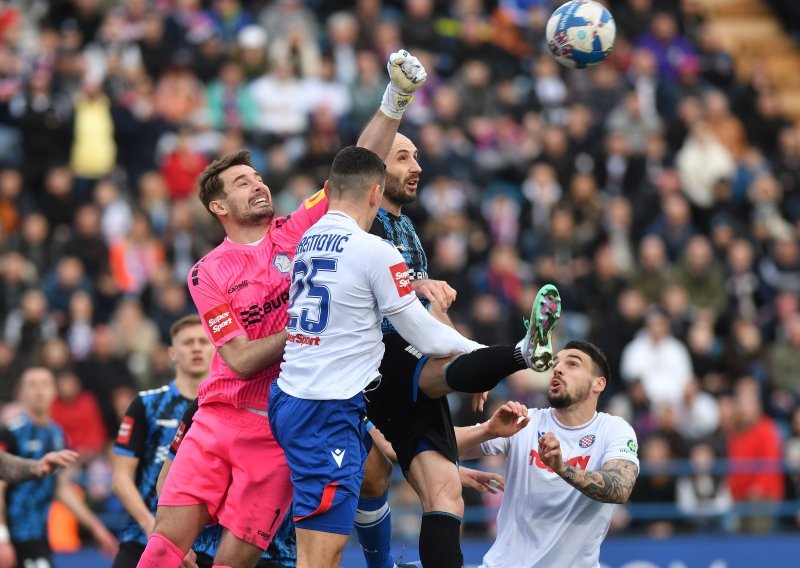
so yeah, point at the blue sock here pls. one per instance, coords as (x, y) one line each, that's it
(374, 530)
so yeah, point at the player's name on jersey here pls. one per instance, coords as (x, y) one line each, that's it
(322, 242)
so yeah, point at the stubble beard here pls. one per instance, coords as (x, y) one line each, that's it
(564, 399)
(394, 190)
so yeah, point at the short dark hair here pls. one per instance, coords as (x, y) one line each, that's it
(595, 354)
(354, 171)
(182, 323)
(211, 187)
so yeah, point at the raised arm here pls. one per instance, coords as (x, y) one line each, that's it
(612, 484)
(406, 75)
(504, 423)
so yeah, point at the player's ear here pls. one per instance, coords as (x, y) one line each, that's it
(375, 194)
(218, 208)
(325, 189)
(599, 384)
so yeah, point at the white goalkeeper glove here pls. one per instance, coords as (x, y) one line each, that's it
(406, 75)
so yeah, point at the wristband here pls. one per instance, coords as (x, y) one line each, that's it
(395, 101)
(5, 536)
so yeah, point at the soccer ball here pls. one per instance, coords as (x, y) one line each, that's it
(580, 33)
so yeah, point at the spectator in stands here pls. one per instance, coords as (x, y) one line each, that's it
(674, 224)
(756, 437)
(742, 284)
(33, 242)
(136, 258)
(656, 485)
(784, 362)
(77, 411)
(135, 339)
(702, 493)
(103, 374)
(658, 360)
(743, 353)
(668, 47)
(66, 279)
(230, 105)
(17, 274)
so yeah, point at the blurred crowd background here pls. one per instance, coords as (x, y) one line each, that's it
(659, 191)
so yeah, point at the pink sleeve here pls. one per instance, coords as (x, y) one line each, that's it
(309, 212)
(221, 322)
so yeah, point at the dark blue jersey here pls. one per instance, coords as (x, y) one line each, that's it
(28, 504)
(400, 231)
(145, 433)
(282, 550)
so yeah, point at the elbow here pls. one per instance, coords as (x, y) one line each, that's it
(239, 366)
(623, 498)
(116, 484)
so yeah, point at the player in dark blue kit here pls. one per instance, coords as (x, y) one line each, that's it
(409, 407)
(24, 507)
(146, 431)
(282, 551)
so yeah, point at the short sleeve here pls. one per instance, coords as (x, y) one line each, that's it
(132, 434)
(8, 442)
(622, 443)
(183, 427)
(220, 320)
(496, 447)
(310, 211)
(389, 279)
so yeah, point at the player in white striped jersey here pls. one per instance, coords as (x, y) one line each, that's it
(566, 467)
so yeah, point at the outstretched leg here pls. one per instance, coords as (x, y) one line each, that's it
(482, 369)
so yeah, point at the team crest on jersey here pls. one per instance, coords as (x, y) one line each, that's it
(586, 441)
(539, 434)
(282, 262)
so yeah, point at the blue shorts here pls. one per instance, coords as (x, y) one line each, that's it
(324, 443)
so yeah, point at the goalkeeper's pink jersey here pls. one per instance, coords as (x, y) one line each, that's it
(244, 289)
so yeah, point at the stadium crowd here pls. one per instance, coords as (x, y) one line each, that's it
(658, 191)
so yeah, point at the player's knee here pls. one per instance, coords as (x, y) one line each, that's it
(442, 493)
(377, 476)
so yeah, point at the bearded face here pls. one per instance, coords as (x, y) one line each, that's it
(401, 191)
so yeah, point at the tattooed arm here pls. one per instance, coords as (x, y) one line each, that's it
(14, 469)
(612, 484)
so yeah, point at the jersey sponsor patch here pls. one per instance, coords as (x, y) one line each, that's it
(630, 448)
(314, 199)
(400, 277)
(176, 441)
(125, 430)
(220, 322)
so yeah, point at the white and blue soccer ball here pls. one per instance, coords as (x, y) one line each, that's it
(581, 33)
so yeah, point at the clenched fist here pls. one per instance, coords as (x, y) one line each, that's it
(406, 75)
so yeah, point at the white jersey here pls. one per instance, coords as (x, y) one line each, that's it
(543, 521)
(344, 281)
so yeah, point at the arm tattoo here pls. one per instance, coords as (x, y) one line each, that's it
(612, 484)
(14, 469)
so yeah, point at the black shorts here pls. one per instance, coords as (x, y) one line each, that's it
(34, 552)
(205, 561)
(406, 417)
(128, 555)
